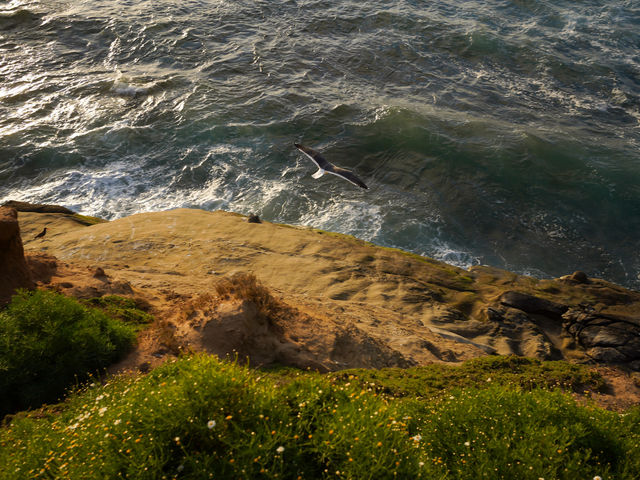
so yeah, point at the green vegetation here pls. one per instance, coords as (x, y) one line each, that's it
(87, 220)
(124, 309)
(199, 418)
(518, 372)
(48, 342)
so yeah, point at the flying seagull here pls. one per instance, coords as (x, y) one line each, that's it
(41, 234)
(327, 167)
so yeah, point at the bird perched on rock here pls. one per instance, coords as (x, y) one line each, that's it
(41, 234)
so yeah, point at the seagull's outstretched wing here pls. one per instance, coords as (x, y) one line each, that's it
(347, 175)
(328, 167)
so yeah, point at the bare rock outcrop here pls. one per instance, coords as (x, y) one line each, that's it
(37, 207)
(606, 338)
(14, 273)
(532, 304)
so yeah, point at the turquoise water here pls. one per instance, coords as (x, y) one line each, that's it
(489, 132)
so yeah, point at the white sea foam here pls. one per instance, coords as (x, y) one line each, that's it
(344, 215)
(448, 254)
(129, 90)
(452, 92)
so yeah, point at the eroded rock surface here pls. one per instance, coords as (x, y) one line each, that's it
(357, 304)
(606, 338)
(14, 273)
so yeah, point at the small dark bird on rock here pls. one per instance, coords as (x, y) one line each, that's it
(41, 234)
(254, 219)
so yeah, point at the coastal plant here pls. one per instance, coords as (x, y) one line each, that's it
(246, 287)
(198, 417)
(48, 342)
(505, 434)
(127, 310)
(507, 370)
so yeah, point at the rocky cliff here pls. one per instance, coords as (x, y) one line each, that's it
(14, 273)
(339, 302)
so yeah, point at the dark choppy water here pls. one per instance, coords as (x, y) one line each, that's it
(501, 132)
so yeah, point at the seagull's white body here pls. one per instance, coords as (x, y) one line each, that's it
(327, 167)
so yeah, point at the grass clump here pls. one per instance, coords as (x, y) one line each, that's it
(245, 286)
(87, 220)
(48, 342)
(125, 309)
(200, 418)
(483, 372)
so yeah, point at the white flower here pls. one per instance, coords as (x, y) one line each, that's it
(280, 449)
(417, 438)
(102, 410)
(211, 424)
(117, 422)
(467, 443)
(180, 468)
(597, 477)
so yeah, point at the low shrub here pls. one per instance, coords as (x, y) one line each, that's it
(246, 286)
(438, 378)
(48, 342)
(199, 418)
(123, 309)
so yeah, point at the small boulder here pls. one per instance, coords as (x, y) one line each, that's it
(606, 355)
(98, 272)
(579, 277)
(254, 219)
(531, 304)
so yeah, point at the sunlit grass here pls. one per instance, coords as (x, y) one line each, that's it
(521, 372)
(199, 418)
(48, 342)
(124, 309)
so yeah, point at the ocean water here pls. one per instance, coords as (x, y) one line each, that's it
(504, 133)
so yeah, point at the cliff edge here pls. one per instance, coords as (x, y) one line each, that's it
(332, 301)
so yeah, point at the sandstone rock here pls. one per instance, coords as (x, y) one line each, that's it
(459, 338)
(606, 355)
(606, 338)
(42, 266)
(13, 266)
(530, 304)
(37, 207)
